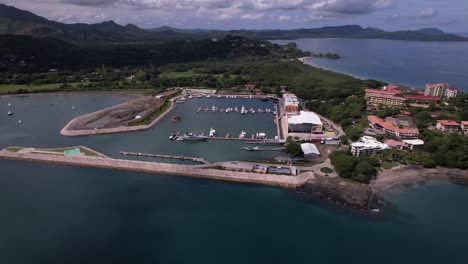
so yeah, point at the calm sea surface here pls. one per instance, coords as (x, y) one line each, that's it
(409, 63)
(59, 214)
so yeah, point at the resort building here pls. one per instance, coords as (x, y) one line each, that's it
(388, 127)
(305, 122)
(464, 127)
(447, 126)
(422, 99)
(384, 97)
(368, 146)
(436, 89)
(396, 144)
(310, 150)
(414, 144)
(291, 103)
(452, 92)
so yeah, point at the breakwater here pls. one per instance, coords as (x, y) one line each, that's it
(163, 168)
(69, 132)
(200, 160)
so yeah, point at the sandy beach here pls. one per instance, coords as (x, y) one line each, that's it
(399, 176)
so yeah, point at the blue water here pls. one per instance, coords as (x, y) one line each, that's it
(410, 63)
(59, 214)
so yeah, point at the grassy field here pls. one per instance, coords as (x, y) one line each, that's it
(82, 150)
(12, 88)
(14, 149)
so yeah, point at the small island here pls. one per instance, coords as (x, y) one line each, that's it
(328, 55)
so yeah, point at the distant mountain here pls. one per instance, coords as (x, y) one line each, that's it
(19, 22)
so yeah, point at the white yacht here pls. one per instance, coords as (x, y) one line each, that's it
(212, 132)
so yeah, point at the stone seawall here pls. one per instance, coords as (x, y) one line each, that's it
(66, 131)
(164, 168)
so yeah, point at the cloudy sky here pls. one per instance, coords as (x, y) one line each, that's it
(450, 15)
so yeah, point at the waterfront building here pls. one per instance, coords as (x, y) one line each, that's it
(464, 127)
(367, 146)
(447, 126)
(436, 89)
(379, 124)
(310, 150)
(414, 144)
(386, 97)
(291, 103)
(305, 122)
(396, 144)
(452, 92)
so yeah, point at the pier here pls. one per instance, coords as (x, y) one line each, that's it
(162, 156)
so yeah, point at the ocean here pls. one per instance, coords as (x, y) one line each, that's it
(59, 214)
(410, 63)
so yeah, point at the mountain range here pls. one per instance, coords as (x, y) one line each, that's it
(14, 21)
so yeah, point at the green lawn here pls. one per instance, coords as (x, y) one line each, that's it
(326, 170)
(14, 149)
(82, 150)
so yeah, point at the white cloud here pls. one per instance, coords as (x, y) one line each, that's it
(252, 16)
(284, 18)
(427, 13)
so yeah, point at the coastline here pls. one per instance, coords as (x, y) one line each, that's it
(110, 92)
(306, 61)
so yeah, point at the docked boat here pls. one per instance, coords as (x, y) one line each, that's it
(236, 109)
(251, 148)
(192, 137)
(10, 113)
(242, 134)
(181, 100)
(175, 119)
(208, 96)
(190, 97)
(212, 132)
(260, 136)
(172, 136)
(243, 111)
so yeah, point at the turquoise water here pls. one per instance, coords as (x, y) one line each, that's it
(409, 63)
(60, 214)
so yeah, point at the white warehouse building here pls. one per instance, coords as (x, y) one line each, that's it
(305, 122)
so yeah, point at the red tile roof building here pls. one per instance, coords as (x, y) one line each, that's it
(380, 124)
(447, 126)
(385, 96)
(464, 127)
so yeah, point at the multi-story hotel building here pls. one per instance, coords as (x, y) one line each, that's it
(436, 89)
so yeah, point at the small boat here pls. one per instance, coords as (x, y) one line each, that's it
(175, 119)
(172, 136)
(236, 109)
(73, 107)
(213, 108)
(219, 96)
(9, 105)
(212, 132)
(10, 113)
(208, 96)
(242, 134)
(243, 111)
(260, 136)
(190, 97)
(20, 122)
